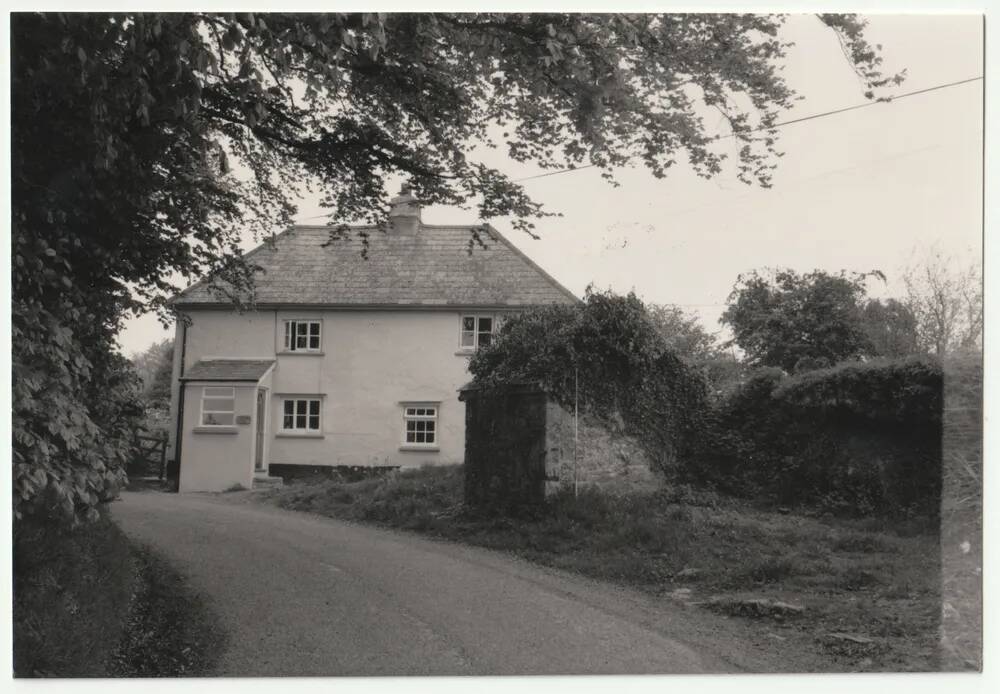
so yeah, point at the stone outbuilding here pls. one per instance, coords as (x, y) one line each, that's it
(522, 446)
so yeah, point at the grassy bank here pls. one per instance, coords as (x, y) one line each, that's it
(87, 603)
(870, 592)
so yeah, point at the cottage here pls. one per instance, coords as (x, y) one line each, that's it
(345, 360)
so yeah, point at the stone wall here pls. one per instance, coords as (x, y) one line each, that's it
(605, 458)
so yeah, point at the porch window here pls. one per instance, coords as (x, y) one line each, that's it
(420, 424)
(300, 414)
(478, 331)
(302, 335)
(218, 406)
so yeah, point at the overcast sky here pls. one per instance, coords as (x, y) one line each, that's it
(858, 191)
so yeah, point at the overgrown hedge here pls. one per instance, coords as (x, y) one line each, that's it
(856, 438)
(608, 357)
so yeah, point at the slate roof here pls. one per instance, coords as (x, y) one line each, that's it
(427, 268)
(228, 370)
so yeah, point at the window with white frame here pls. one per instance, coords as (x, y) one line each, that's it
(478, 331)
(300, 415)
(420, 424)
(218, 406)
(302, 335)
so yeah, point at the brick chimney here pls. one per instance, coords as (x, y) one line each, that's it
(405, 213)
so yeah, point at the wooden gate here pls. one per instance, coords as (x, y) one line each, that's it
(150, 455)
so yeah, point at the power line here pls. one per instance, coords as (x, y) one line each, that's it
(824, 114)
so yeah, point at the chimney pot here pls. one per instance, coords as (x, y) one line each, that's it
(405, 212)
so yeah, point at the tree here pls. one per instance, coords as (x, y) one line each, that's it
(683, 332)
(891, 328)
(151, 362)
(946, 299)
(155, 368)
(143, 145)
(794, 321)
(684, 335)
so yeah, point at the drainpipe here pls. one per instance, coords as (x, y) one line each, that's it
(179, 432)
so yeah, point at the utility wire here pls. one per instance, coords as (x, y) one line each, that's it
(867, 104)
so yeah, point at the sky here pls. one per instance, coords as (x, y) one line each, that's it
(859, 191)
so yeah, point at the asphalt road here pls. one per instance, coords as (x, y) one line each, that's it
(305, 595)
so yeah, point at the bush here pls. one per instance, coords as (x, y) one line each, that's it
(853, 439)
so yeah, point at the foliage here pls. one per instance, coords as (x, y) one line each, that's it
(782, 317)
(891, 328)
(74, 411)
(143, 145)
(682, 332)
(856, 438)
(946, 299)
(607, 356)
(155, 368)
(697, 347)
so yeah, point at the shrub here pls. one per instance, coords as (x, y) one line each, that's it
(853, 439)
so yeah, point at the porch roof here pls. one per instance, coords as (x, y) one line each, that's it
(228, 370)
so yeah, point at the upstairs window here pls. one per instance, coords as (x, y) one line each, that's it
(218, 406)
(300, 414)
(420, 424)
(302, 336)
(478, 331)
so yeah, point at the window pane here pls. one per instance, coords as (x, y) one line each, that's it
(411, 437)
(289, 421)
(420, 437)
(485, 324)
(411, 426)
(314, 342)
(421, 411)
(301, 341)
(288, 335)
(469, 323)
(300, 406)
(300, 421)
(314, 421)
(430, 426)
(430, 411)
(430, 437)
(314, 407)
(485, 339)
(410, 411)
(289, 407)
(217, 404)
(314, 330)
(468, 339)
(217, 419)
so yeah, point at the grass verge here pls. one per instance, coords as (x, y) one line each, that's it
(87, 603)
(869, 591)
(170, 631)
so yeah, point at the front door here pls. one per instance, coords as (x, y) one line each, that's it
(261, 408)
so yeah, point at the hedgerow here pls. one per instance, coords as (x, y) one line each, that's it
(857, 438)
